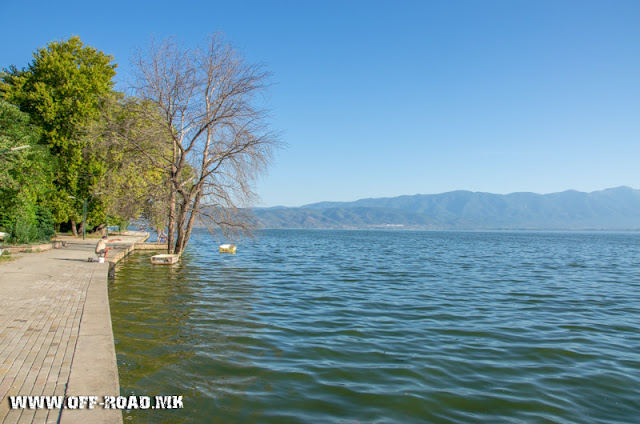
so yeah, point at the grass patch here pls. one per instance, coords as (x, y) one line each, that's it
(7, 257)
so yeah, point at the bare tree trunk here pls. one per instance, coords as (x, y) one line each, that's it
(81, 228)
(171, 226)
(98, 229)
(74, 231)
(180, 228)
(192, 218)
(185, 208)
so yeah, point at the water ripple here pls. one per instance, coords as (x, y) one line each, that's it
(387, 327)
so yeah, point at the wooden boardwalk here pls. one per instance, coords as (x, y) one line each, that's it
(55, 331)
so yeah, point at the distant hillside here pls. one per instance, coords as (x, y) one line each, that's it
(610, 209)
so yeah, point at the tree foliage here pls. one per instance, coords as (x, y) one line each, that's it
(130, 146)
(189, 146)
(60, 90)
(24, 178)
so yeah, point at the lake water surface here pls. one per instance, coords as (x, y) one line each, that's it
(386, 327)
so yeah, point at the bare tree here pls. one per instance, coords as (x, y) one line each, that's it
(212, 104)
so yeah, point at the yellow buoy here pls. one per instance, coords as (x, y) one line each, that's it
(227, 248)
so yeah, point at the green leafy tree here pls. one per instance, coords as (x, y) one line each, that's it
(24, 178)
(133, 150)
(60, 89)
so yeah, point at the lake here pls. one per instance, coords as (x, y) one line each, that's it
(320, 326)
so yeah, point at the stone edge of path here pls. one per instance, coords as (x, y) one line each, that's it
(56, 244)
(94, 368)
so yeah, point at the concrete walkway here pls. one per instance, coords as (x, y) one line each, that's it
(55, 331)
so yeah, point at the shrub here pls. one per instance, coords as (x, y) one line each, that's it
(45, 223)
(31, 227)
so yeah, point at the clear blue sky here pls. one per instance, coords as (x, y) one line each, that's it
(385, 98)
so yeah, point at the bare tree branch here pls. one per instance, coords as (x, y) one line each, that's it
(221, 141)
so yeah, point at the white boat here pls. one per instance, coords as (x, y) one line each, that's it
(165, 259)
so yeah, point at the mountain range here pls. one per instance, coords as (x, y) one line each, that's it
(609, 209)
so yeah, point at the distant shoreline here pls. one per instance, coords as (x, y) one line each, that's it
(475, 230)
(614, 209)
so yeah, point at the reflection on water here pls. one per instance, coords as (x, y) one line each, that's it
(375, 326)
